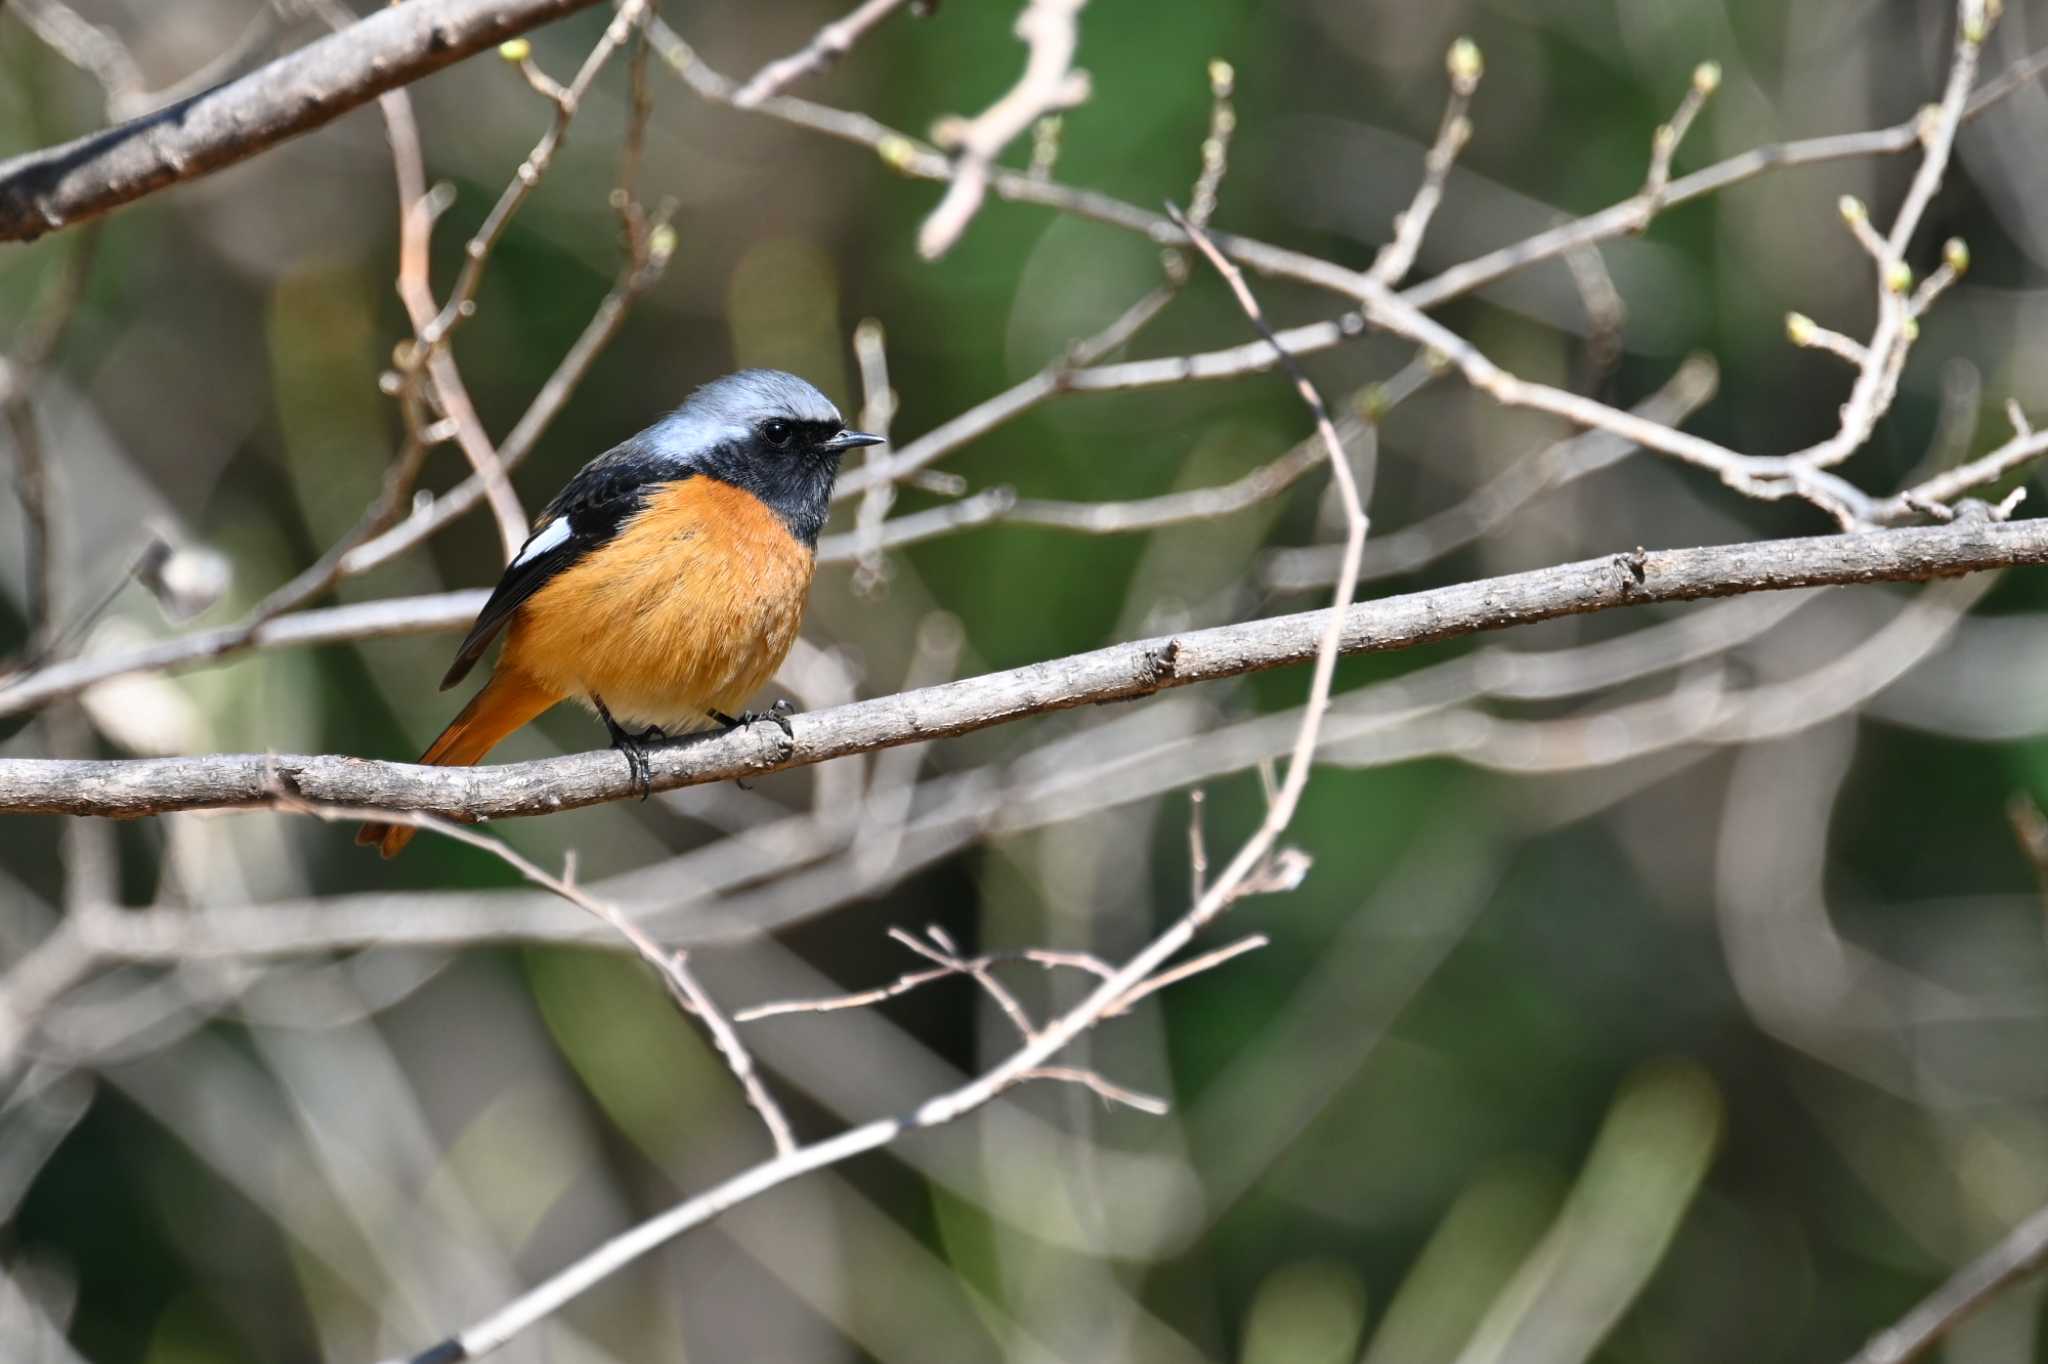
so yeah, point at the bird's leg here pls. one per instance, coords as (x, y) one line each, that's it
(779, 713)
(634, 747)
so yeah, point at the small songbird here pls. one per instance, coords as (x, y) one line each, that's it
(663, 586)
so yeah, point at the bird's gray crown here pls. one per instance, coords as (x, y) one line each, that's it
(734, 406)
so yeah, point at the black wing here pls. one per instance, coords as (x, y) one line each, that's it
(593, 505)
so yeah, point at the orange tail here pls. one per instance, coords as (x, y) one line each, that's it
(508, 700)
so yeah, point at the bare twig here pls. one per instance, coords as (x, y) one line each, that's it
(461, 303)
(672, 967)
(826, 46)
(635, 277)
(330, 625)
(97, 51)
(1885, 355)
(1500, 497)
(418, 208)
(1050, 83)
(20, 370)
(877, 415)
(1215, 149)
(737, 1058)
(91, 48)
(1397, 257)
(1048, 958)
(1706, 78)
(940, 949)
(432, 326)
(2021, 1254)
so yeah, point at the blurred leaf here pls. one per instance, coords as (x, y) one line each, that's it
(1308, 1312)
(1490, 1229)
(1650, 1157)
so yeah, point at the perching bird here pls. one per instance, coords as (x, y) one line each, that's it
(663, 586)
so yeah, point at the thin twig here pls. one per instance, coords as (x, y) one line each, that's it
(1048, 85)
(20, 371)
(1397, 257)
(671, 966)
(941, 950)
(1706, 78)
(877, 415)
(738, 1059)
(828, 45)
(2022, 1253)
(461, 302)
(1495, 501)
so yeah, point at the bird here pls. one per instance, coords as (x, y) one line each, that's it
(664, 584)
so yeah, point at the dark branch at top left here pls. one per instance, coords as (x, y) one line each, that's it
(60, 186)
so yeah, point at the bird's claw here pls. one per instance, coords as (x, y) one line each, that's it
(778, 713)
(634, 746)
(636, 763)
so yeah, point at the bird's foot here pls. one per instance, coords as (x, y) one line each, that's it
(778, 713)
(633, 746)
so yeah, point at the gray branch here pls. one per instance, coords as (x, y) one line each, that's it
(2022, 1253)
(149, 786)
(300, 629)
(57, 187)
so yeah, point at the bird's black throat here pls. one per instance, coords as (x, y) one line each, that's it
(795, 484)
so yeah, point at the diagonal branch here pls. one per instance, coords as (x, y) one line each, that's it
(42, 191)
(1968, 544)
(826, 46)
(2023, 1252)
(673, 966)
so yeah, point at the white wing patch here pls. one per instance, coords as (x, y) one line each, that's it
(545, 539)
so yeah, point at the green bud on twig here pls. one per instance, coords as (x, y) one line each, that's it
(896, 151)
(1465, 64)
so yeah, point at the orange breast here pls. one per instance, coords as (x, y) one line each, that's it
(689, 608)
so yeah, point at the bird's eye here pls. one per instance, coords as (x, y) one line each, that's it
(776, 432)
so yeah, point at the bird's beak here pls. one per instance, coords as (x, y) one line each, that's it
(852, 440)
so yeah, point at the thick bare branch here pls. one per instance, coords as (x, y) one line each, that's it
(1120, 672)
(56, 187)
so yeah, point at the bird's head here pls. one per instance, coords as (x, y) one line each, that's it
(770, 433)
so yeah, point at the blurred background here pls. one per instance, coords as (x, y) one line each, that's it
(1668, 985)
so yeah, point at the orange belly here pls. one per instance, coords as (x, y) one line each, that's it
(689, 609)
